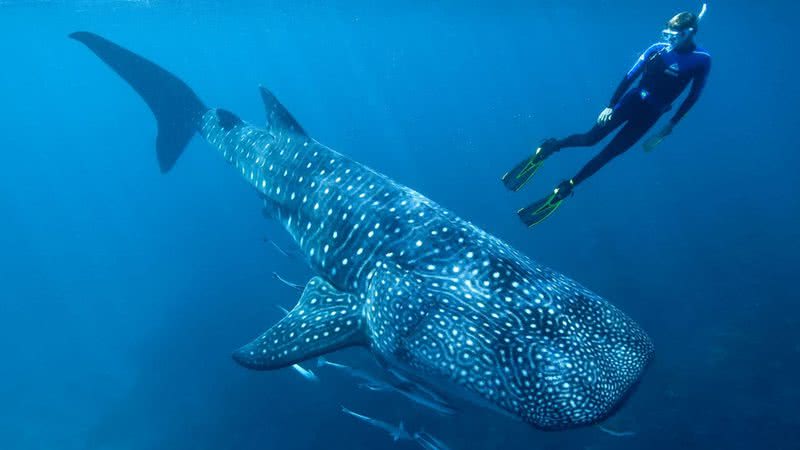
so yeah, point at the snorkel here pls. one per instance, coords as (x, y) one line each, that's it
(681, 28)
(702, 12)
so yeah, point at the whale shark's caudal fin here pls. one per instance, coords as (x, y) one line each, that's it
(278, 117)
(324, 320)
(177, 108)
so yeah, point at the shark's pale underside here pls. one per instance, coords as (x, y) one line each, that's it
(429, 294)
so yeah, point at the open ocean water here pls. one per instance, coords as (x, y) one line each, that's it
(123, 291)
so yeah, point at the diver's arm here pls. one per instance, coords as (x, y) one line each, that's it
(622, 88)
(632, 74)
(698, 83)
(606, 114)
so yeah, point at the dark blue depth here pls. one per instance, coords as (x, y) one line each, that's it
(124, 291)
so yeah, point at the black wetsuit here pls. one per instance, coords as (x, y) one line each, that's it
(665, 74)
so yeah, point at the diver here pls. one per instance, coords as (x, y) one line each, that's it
(666, 69)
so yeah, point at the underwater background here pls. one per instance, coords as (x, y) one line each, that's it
(123, 292)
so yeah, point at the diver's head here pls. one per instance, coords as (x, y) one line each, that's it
(681, 29)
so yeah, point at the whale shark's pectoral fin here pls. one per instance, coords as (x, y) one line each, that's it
(325, 319)
(279, 119)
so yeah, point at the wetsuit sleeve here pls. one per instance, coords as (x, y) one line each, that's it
(698, 83)
(631, 76)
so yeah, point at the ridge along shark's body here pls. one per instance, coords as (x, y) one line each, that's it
(430, 294)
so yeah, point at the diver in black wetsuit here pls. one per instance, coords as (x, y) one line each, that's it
(666, 69)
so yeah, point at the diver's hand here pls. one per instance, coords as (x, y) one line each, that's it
(656, 139)
(605, 116)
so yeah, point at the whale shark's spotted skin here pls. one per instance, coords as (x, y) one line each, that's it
(428, 292)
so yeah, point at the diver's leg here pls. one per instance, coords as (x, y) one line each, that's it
(624, 140)
(596, 134)
(632, 131)
(520, 174)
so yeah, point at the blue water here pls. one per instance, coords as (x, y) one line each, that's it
(124, 291)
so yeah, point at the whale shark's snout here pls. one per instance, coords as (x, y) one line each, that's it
(534, 345)
(582, 377)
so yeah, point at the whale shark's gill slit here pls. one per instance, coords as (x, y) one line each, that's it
(177, 108)
(325, 319)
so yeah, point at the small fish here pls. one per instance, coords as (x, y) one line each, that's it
(287, 253)
(413, 393)
(616, 433)
(405, 380)
(398, 433)
(428, 442)
(322, 362)
(407, 389)
(287, 282)
(305, 373)
(276, 247)
(421, 399)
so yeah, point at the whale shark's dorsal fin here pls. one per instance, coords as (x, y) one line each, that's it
(325, 319)
(278, 117)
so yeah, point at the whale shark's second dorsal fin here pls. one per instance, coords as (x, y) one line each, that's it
(325, 319)
(278, 117)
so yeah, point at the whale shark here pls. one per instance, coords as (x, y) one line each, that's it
(429, 294)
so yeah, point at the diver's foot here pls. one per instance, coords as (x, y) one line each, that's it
(517, 177)
(564, 189)
(549, 146)
(537, 212)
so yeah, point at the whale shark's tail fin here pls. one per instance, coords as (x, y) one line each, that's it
(324, 320)
(177, 108)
